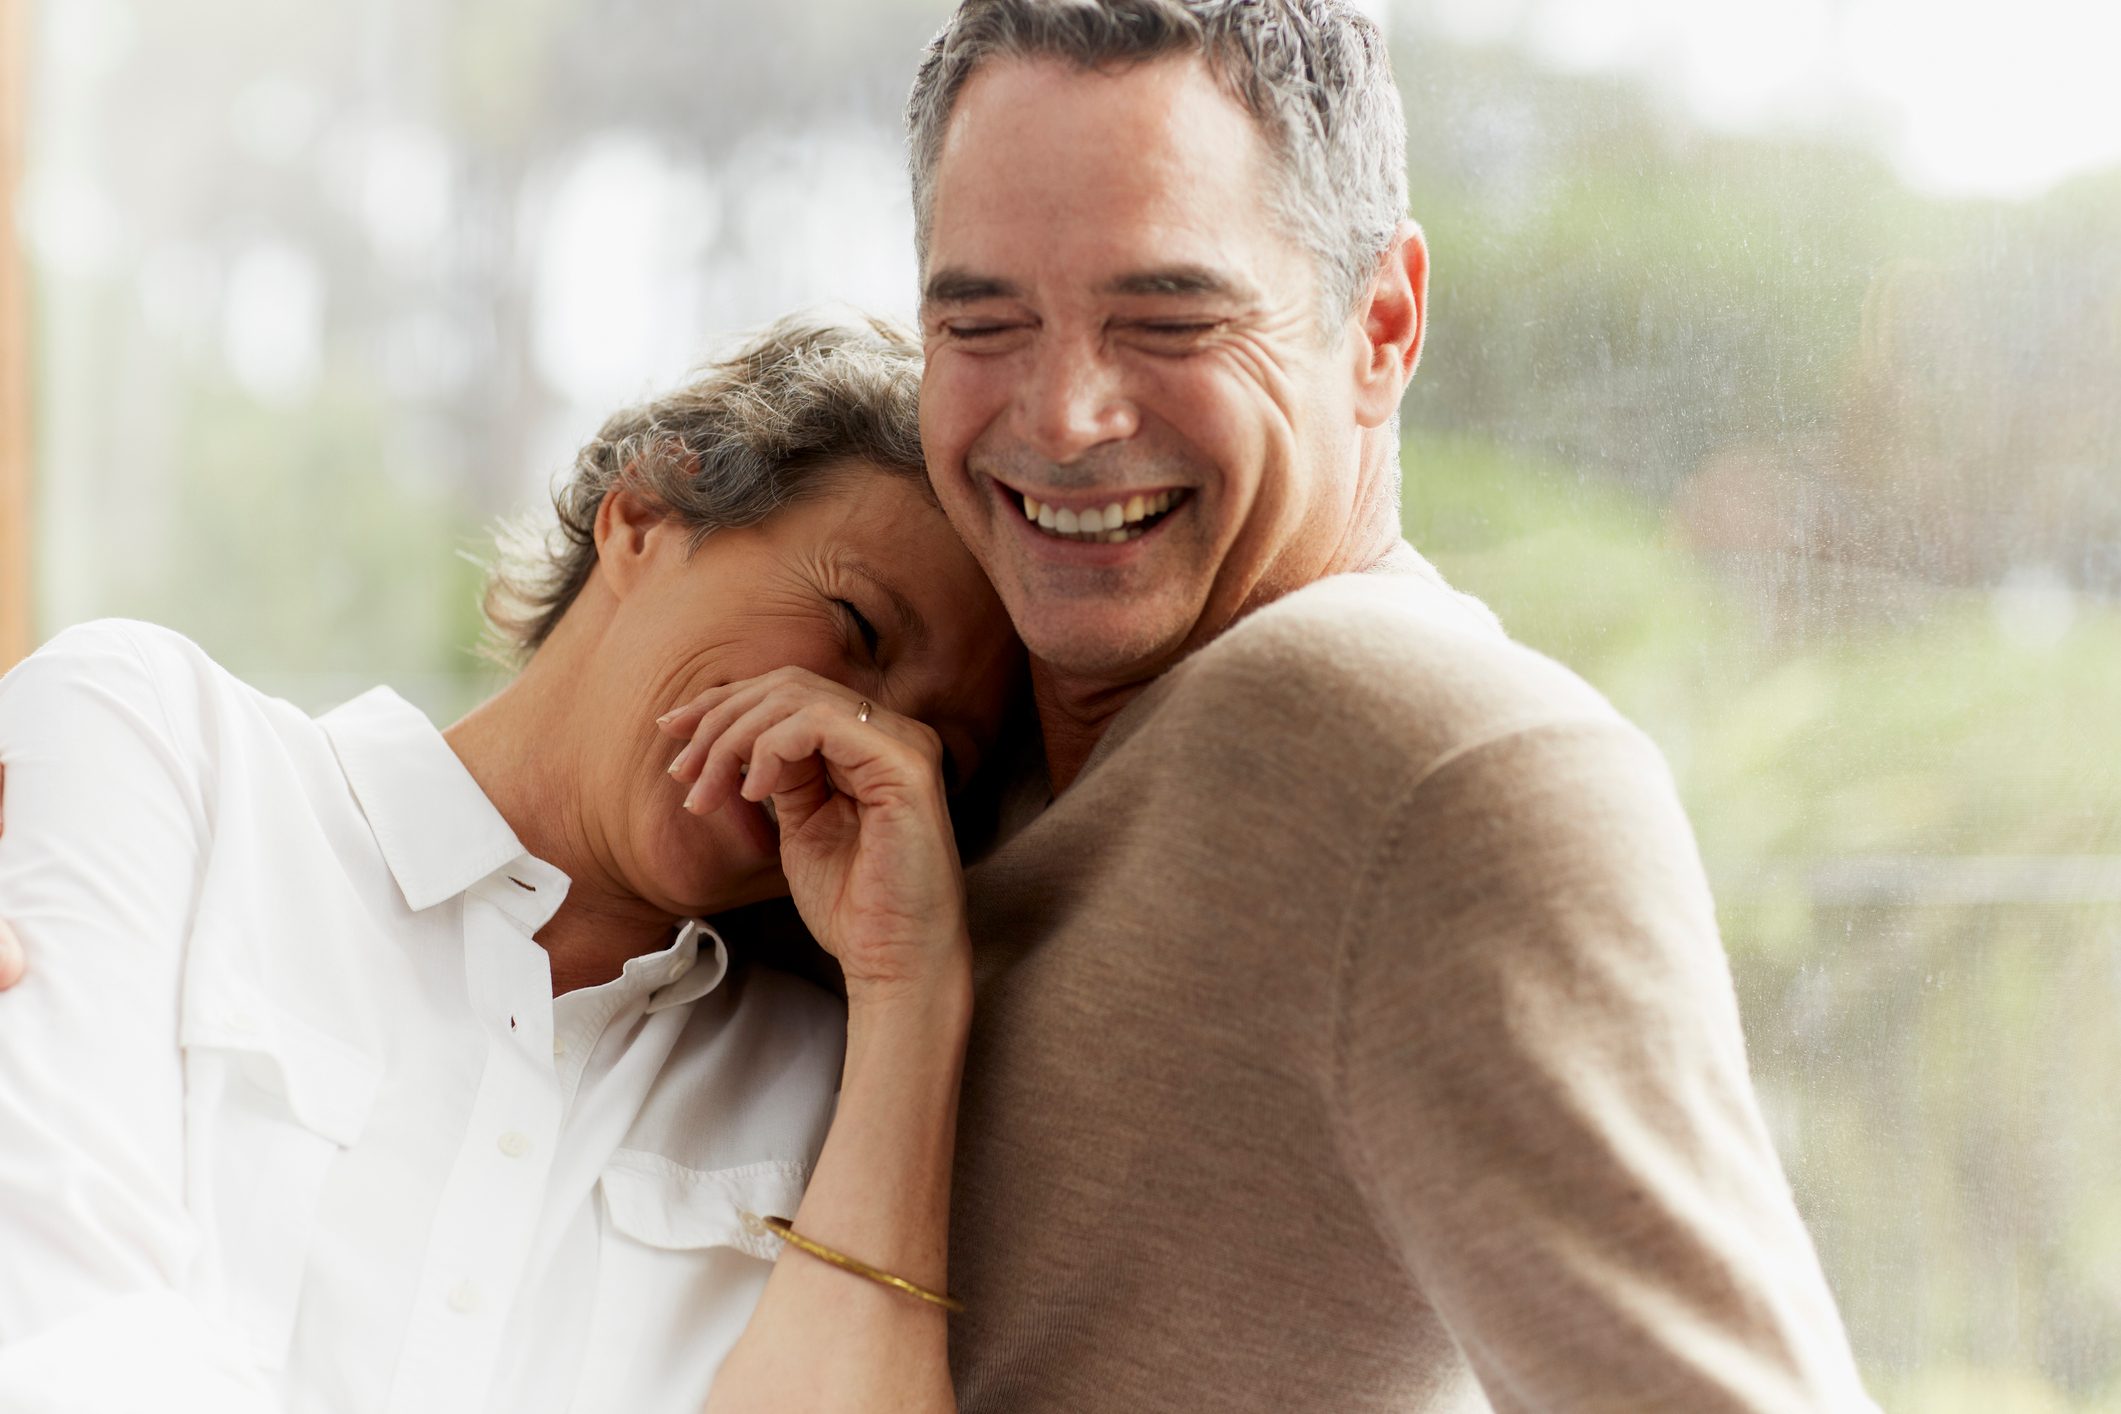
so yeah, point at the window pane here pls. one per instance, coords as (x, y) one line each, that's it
(1772, 384)
(1805, 446)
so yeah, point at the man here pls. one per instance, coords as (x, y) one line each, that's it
(1352, 1030)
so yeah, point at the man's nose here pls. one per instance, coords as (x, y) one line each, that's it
(1072, 400)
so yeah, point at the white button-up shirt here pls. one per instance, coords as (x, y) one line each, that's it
(289, 1116)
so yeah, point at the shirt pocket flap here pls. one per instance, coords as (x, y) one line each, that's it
(663, 1204)
(326, 1084)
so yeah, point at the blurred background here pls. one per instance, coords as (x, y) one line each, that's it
(1774, 383)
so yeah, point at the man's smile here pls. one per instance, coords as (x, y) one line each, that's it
(1095, 518)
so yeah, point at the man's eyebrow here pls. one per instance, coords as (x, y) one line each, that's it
(963, 287)
(911, 626)
(1179, 280)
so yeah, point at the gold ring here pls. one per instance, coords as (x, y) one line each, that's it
(861, 713)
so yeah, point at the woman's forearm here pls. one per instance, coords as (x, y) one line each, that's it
(824, 1339)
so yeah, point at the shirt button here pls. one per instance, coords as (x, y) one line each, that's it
(559, 1047)
(464, 1298)
(515, 1145)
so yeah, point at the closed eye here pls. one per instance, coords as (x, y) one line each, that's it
(1175, 333)
(870, 638)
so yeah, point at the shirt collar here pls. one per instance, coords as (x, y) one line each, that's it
(695, 966)
(438, 832)
(442, 837)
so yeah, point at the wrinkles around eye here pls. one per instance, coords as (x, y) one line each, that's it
(979, 331)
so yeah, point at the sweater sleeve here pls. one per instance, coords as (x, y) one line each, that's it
(1546, 1097)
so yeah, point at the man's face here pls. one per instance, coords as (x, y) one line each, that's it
(1112, 319)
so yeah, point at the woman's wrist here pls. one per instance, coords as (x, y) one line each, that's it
(881, 1187)
(909, 1029)
(937, 991)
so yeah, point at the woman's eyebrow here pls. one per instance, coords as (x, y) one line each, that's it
(911, 626)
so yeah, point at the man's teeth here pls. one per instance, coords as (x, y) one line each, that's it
(1113, 524)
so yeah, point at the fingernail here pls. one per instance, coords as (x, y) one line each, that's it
(675, 762)
(664, 720)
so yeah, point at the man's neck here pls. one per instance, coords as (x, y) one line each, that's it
(506, 743)
(1073, 713)
(1072, 717)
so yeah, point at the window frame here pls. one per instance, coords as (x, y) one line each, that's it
(16, 626)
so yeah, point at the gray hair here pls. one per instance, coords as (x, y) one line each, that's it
(1314, 74)
(781, 419)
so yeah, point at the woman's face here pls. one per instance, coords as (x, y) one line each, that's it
(864, 583)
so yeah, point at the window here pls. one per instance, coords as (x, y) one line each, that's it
(1774, 383)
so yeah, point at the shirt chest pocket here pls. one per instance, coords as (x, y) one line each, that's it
(270, 1104)
(678, 1274)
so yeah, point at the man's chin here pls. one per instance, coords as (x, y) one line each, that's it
(1101, 652)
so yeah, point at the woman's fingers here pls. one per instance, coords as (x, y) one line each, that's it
(800, 787)
(862, 756)
(865, 837)
(710, 714)
(722, 741)
(802, 760)
(685, 721)
(11, 959)
(719, 764)
(830, 728)
(679, 721)
(732, 702)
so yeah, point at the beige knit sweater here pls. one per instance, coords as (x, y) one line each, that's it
(1354, 1035)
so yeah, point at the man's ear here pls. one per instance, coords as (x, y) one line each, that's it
(1392, 321)
(630, 528)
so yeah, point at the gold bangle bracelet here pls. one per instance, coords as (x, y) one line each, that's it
(783, 1229)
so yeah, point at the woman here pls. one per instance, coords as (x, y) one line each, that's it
(365, 1066)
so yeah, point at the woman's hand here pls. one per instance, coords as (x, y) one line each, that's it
(867, 848)
(865, 830)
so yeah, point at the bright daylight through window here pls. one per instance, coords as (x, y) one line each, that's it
(1773, 384)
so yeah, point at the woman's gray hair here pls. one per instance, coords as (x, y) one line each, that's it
(1314, 74)
(779, 420)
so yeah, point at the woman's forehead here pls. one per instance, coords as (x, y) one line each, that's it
(865, 501)
(884, 526)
